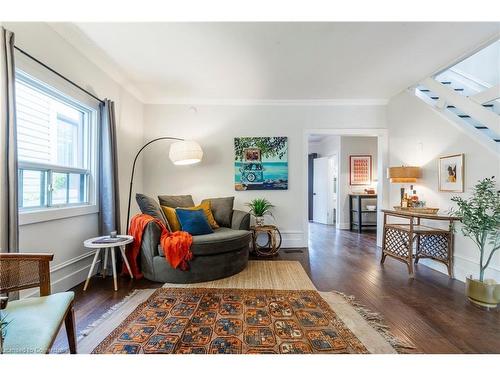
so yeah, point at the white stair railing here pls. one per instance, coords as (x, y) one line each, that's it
(471, 106)
(486, 96)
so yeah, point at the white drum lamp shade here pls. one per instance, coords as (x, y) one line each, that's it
(185, 153)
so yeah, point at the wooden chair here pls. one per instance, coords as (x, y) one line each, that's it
(34, 322)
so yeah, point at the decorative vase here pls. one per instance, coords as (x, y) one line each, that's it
(259, 221)
(484, 294)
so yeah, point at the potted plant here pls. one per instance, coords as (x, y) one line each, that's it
(259, 207)
(3, 330)
(480, 216)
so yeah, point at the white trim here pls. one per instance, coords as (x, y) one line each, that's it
(458, 123)
(476, 262)
(475, 110)
(68, 281)
(462, 268)
(486, 96)
(343, 226)
(293, 238)
(266, 102)
(52, 167)
(71, 261)
(48, 214)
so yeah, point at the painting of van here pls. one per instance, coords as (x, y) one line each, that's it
(261, 163)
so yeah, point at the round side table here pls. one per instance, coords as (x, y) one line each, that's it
(100, 243)
(273, 244)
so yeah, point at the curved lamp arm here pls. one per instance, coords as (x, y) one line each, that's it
(133, 171)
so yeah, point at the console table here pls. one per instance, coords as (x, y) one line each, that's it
(400, 240)
(357, 210)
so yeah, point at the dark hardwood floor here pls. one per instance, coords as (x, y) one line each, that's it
(431, 310)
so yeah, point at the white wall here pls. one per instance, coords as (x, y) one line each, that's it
(327, 146)
(215, 126)
(353, 146)
(64, 237)
(418, 135)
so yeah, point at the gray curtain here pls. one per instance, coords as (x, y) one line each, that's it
(109, 197)
(9, 231)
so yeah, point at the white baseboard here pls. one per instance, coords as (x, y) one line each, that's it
(463, 267)
(72, 279)
(68, 279)
(293, 238)
(343, 226)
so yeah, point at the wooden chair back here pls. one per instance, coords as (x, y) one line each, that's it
(20, 271)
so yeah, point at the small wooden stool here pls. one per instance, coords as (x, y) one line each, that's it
(273, 244)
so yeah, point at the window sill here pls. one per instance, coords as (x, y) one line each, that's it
(38, 216)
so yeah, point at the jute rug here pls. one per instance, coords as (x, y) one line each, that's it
(270, 307)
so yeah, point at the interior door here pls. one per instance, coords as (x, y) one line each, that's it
(320, 190)
(332, 189)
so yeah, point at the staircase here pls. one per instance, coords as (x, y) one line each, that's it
(459, 113)
(472, 104)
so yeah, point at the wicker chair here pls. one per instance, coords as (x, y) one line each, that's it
(34, 322)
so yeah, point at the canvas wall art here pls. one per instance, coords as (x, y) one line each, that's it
(451, 173)
(260, 163)
(360, 170)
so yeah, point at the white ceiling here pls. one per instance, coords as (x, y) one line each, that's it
(176, 62)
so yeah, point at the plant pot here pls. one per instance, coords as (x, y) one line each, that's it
(481, 293)
(259, 221)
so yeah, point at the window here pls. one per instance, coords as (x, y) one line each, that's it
(56, 147)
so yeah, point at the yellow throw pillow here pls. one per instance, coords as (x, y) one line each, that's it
(205, 206)
(172, 219)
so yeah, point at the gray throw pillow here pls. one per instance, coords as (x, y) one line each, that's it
(175, 201)
(150, 207)
(222, 208)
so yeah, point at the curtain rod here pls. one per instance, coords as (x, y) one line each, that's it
(58, 74)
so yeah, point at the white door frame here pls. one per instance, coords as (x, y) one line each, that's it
(383, 163)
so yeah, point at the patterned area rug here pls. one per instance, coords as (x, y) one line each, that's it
(232, 321)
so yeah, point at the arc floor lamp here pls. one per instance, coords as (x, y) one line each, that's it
(182, 152)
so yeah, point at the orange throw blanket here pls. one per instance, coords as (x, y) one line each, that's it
(176, 246)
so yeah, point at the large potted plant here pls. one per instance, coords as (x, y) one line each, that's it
(480, 215)
(3, 321)
(259, 207)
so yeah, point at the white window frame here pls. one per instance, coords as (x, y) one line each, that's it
(61, 91)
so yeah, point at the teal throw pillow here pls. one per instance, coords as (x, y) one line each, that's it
(193, 221)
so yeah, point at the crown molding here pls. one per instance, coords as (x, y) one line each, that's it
(72, 34)
(267, 102)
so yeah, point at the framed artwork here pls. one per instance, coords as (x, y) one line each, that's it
(451, 173)
(260, 163)
(360, 170)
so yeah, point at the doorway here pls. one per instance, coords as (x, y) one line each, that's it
(328, 183)
(323, 178)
